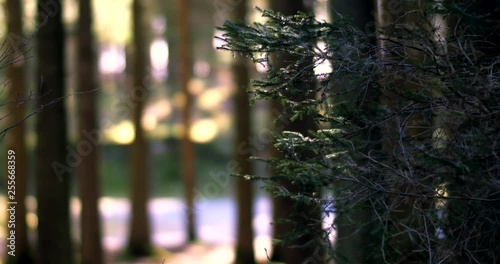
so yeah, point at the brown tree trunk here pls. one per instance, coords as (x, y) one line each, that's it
(355, 241)
(172, 35)
(139, 243)
(14, 139)
(187, 148)
(387, 20)
(406, 215)
(280, 205)
(88, 170)
(307, 247)
(53, 161)
(245, 235)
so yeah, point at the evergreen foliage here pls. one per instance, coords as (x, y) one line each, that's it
(409, 129)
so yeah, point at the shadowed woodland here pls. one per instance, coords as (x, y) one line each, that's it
(250, 131)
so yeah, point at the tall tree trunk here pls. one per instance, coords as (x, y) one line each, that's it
(410, 228)
(387, 21)
(15, 138)
(244, 243)
(88, 170)
(53, 180)
(187, 148)
(356, 241)
(308, 246)
(280, 209)
(139, 243)
(172, 36)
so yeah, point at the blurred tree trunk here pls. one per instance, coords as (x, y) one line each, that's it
(139, 243)
(388, 18)
(172, 34)
(53, 180)
(187, 148)
(356, 241)
(88, 171)
(280, 206)
(280, 210)
(409, 224)
(245, 235)
(307, 247)
(15, 138)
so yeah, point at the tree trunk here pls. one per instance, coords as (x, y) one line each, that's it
(356, 241)
(139, 243)
(187, 148)
(53, 162)
(172, 36)
(88, 171)
(280, 210)
(14, 139)
(411, 226)
(245, 235)
(307, 248)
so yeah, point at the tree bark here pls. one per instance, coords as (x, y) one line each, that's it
(139, 243)
(187, 148)
(307, 247)
(88, 171)
(15, 138)
(53, 181)
(245, 234)
(406, 214)
(356, 241)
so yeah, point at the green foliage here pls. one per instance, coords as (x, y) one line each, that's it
(409, 127)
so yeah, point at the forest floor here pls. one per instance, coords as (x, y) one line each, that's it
(215, 227)
(194, 254)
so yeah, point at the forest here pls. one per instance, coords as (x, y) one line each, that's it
(249, 131)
